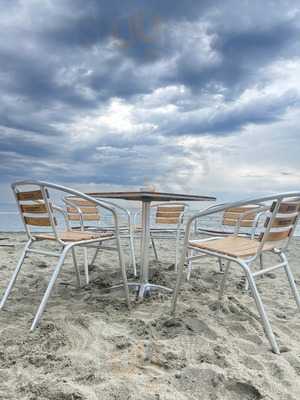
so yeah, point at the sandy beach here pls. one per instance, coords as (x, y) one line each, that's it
(89, 346)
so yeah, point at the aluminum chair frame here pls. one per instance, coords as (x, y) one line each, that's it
(66, 246)
(260, 210)
(166, 232)
(245, 263)
(128, 229)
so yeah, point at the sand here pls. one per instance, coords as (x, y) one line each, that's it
(89, 346)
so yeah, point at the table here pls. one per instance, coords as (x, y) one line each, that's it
(146, 198)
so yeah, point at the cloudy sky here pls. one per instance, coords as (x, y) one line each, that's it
(193, 96)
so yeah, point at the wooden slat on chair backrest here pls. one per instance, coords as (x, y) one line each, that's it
(283, 222)
(33, 207)
(88, 210)
(32, 195)
(168, 214)
(37, 221)
(232, 215)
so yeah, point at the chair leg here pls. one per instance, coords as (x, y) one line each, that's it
(190, 265)
(291, 280)
(177, 249)
(86, 265)
(123, 270)
(132, 253)
(222, 286)
(261, 261)
(49, 289)
(95, 255)
(220, 265)
(247, 282)
(261, 309)
(76, 267)
(178, 281)
(15, 275)
(154, 248)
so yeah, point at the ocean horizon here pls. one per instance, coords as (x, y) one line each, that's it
(10, 220)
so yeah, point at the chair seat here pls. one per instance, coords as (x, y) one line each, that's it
(234, 246)
(74, 236)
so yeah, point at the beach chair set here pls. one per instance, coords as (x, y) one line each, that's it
(82, 216)
(249, 230)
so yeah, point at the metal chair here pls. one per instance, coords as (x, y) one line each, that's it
(232, 220)
(38, 211)
(85, 215)
(166, 223)
(278, 228)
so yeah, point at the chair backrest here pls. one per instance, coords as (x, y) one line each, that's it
(281, 221)
(35, 208)
(245, 216)
(80, 210)
(169, 213)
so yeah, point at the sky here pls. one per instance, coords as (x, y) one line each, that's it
(190, 96)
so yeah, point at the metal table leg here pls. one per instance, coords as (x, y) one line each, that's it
(145, 286)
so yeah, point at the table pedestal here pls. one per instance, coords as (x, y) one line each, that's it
(145, 286)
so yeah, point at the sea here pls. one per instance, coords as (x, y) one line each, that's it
(10, 220)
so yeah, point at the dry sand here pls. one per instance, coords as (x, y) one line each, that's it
(89, 346)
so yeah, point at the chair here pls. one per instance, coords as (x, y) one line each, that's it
(166, 223)
(232, 220)
(279, 225)
(85, 215)
(39, 212)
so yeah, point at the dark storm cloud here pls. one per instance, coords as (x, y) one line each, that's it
(234, 118)
(64, 61)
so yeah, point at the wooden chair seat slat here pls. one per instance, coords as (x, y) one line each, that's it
(74, 236)
(234, 246)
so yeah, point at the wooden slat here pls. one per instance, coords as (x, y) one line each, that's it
(234, 246)
(242, 209)
(273, 236)
(34, 208)
(233, 222)
(37, 221)
(84, 210)
(281, 222)
(81, 202)
(74, 236)
(168, 214)
(170, 209)
(236, 216)
(85, 217)
(167, 220)
(32, 195)
(288, 208)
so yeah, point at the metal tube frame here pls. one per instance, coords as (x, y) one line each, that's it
(68, 201)
(65, 246)
(243, 263)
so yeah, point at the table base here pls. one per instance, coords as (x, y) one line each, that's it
(143, 289)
